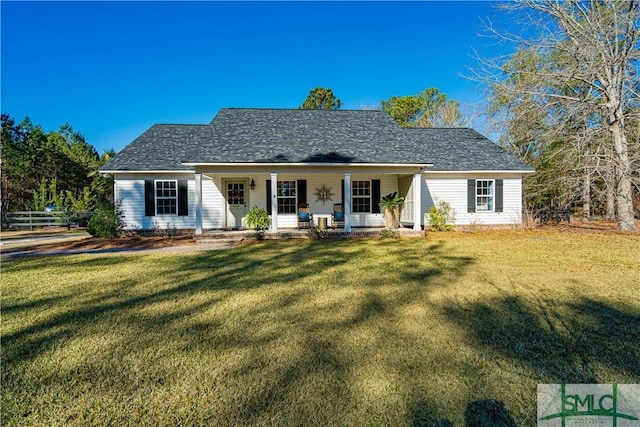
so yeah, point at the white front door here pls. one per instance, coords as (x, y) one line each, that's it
(236, 203)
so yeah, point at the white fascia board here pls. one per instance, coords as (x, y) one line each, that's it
(431, 172)
(149, 171)
(409, 165)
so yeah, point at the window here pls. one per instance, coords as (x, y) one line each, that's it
(287, 197)
(485, 195)
(235, 193)
(166, 197)
(361, 196)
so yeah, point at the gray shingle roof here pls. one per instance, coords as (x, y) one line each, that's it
(309, 136)
(462, 149)
(301, 136)
(161, 147)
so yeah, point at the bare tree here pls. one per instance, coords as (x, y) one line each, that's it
(585, 60)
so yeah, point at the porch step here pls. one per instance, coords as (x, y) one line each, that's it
(236, 236)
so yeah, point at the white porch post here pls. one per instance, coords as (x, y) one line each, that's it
(347, 202)
(198, 203)
(274, 202)
(417, 201)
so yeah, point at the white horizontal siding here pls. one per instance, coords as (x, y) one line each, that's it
(449, 187)
(454, 191)
(214, 205)
(405, 185)
(129, 194)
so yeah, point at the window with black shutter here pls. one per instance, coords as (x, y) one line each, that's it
(166, 197)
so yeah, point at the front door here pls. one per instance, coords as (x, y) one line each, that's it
(236, 203)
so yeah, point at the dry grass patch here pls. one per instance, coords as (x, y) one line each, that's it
(417, 332)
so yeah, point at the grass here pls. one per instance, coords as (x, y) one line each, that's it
(455, 329)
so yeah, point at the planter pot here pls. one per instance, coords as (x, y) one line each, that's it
(388, 218)
(396, 217)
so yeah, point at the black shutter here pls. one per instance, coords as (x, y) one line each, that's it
(343, 207)
(183, 198)
(471, 195)
(269, 196)
(499, 195)
(375, 196)
(149, 198)
(302, 191)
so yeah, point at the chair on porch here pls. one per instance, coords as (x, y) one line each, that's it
(305, 217)
(337, 216)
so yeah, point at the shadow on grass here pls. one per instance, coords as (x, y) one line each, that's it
(34, 263)
(17, 307)
(479, 413)
(226, 270)
(562, 342)
(487, 412)
(292, 361)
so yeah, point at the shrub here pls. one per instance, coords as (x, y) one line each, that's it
(171, 231)
(258, 219)
(390, 234)
(441, 216)
(315, 233)
(106, 222)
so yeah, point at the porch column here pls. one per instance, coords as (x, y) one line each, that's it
(417, 201)
(347, 202)
(198, 203)
(274, 202)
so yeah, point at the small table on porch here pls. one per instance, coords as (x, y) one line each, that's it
(322, 218)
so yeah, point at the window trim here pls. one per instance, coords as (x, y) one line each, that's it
(156, 197)
(294, 196)
(491, 197)
(354, 197)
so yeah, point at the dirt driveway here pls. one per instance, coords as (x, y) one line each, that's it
(54, 241)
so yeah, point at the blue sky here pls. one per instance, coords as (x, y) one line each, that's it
(113, 69)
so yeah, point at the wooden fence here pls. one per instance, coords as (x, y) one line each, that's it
(34, 219)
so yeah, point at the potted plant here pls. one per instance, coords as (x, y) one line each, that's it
(391, 204)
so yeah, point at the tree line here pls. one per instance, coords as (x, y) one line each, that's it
(429, 108)
(56, 168)
(566, 102)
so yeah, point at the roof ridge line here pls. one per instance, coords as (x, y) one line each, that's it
(296, 109)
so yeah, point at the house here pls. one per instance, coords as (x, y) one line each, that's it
(204, 177)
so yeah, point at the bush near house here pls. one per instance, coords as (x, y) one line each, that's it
(106, 222)
(441, 216)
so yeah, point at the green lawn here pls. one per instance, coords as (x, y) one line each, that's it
(444, 330)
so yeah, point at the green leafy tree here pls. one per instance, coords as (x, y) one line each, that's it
(86, 201)
(405, 110)
(13, 163)
(102, 185)
(429, 108)
(31, 156)
(321, 98)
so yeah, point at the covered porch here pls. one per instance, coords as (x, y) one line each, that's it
(225, 193)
